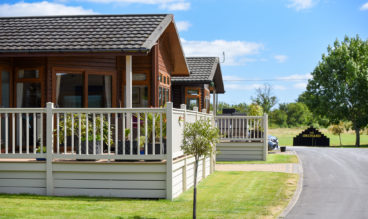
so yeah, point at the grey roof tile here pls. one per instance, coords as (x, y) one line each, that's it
(201, 69)
(65, 33)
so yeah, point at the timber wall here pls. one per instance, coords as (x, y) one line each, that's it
(240, 151)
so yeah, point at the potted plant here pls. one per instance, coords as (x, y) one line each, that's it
(38, 151)
(86, 144)
(127, 144)
(157, 118)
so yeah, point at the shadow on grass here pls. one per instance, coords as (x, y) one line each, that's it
(75, 198)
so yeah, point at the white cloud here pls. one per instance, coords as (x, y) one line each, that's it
(280, 58)
(296, 77)
(247, 87)
(40, 8)
(178, 6)
(242, 86)
(171, 5)
(300, 4)
(364, 7)
(183, 25)
(235, 51)
(302, 85)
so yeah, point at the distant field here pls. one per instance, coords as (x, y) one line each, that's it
(286, 135)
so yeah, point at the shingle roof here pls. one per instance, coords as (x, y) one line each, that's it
(202, 70)
(127, 33)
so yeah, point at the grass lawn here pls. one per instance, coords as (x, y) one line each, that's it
(286, 135)
(271, 158)
(221, 195)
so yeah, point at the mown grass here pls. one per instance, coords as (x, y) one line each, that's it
(221, 195)
(271, 158)
(286, 135)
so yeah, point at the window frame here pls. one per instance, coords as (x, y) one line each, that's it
(8, 69)
(40, 80)
(190, 96)
(85, 73)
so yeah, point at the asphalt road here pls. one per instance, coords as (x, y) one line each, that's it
(335, 183)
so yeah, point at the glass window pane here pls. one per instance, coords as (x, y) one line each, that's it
(163, 96)
(167, 95)
(192, 102)
(28, 94)
(159, 96)
(26, 73)
(69, 90)
(99, 91)
(139, 77)
(193, 92)
(140, 96)
(5, 91)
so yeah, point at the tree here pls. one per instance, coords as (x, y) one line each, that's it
(279, 118)
(339, 85)
(264, 98)
(254, 110)
(337, 129)
(298, 114)
(199, 140)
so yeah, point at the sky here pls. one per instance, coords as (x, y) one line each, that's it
(275, 42)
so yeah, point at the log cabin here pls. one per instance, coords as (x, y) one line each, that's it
(89, 61)
(194, 91)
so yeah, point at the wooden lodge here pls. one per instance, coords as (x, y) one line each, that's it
(95, 105)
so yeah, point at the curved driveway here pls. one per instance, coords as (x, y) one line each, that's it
(335, 183)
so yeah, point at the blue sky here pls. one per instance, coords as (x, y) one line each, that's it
(278, 42)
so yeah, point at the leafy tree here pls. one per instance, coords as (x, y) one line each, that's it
(240, 108)
(199, 140)
(264, 98)
(298, 114)
(255, 110)
(339, 87)
(279, 118)
(221, 106)
(337, 129)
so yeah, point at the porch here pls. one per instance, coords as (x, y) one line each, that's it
(242, 137)
(97, 151)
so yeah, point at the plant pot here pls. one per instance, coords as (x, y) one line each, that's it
(283, 149)
(40, 159)
(89, 147)
(127, 148)
(157, 148)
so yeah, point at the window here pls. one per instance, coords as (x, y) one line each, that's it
(5, 88)
(164, 89)
(28, 87)
(84, 89)
(193, 97)
(140, 96)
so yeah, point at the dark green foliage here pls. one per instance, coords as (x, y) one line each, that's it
(339, 87)
(291, 115)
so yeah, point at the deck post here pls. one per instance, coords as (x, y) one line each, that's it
(265, 127)
(214, 102)
(49, 148)
(169, 152)
(128, 87)
(195, 109)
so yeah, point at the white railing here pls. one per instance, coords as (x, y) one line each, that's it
(242, 128)
(94, 133)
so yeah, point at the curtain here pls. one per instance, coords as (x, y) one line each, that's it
(107, 86)
(58, 80)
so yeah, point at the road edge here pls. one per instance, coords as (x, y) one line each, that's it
(297, 192)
